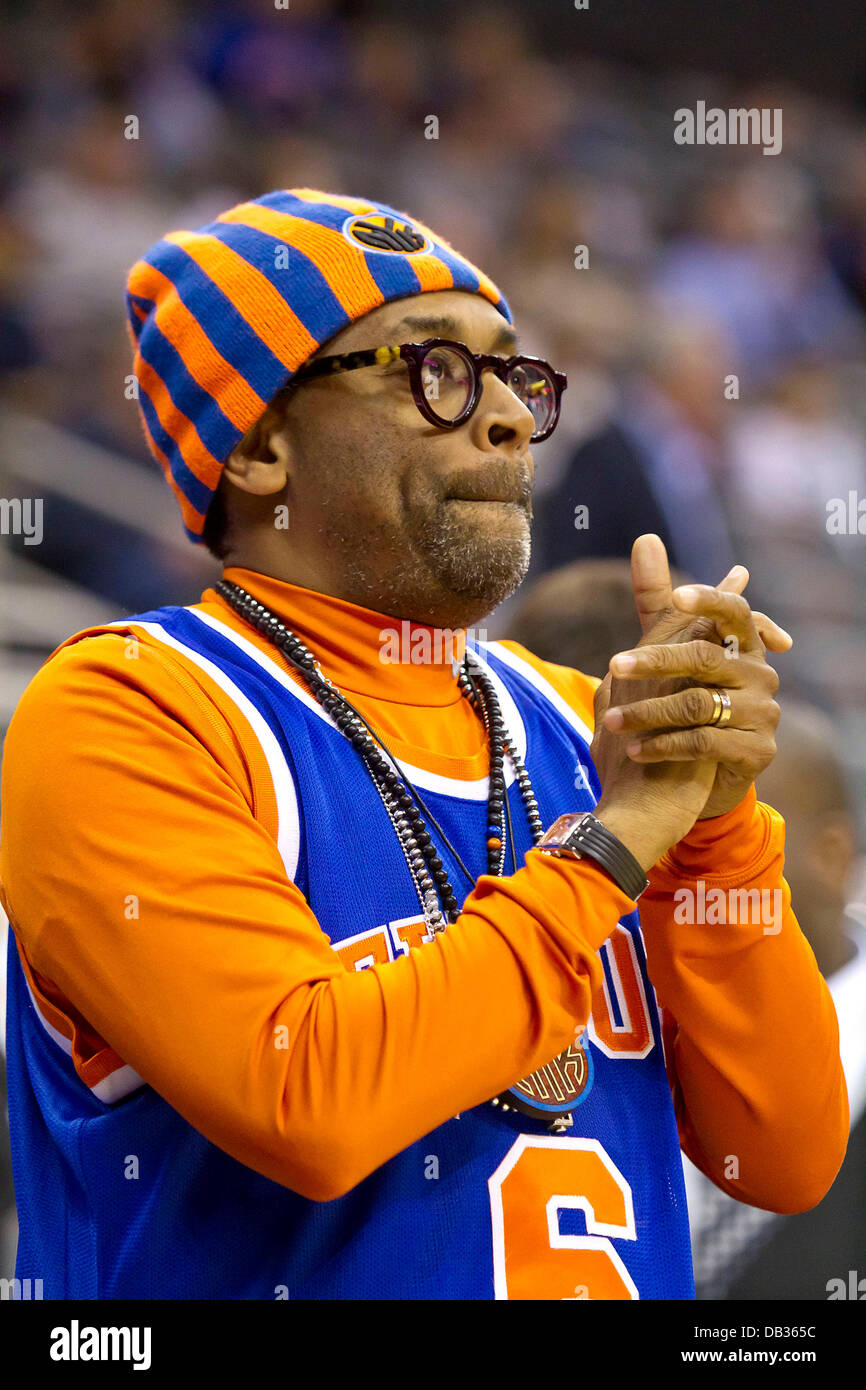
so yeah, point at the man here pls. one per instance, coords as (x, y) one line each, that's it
(282, 924)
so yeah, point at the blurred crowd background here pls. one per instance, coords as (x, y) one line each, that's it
(713, 331)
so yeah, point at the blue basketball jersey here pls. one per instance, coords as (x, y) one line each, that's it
(456, 1214)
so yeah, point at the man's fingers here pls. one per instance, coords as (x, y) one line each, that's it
(601, 699)
(729, 611)
(658, 603)
(690, 708)
(731, 746)
(653, 595)
(650, 579)
(774, 638)
(704, 662)
(735, 580)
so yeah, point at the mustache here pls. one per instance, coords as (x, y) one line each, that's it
(497, 481)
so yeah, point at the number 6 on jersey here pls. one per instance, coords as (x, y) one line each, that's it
(538, 1178)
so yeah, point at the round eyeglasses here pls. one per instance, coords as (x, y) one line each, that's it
(445, 378)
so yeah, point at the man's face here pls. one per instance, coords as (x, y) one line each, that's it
(392, 512)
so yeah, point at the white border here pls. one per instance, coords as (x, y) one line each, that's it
(288, 819)
(597, 1231)
(523, 668)
(475, 790)
(119, 1083)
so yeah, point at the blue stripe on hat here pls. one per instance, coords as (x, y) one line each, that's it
(463, 275)
(215, 429)
(135, 323)
(326, 214)
(194, 489)
(393, 274)
(391, 270)
(302, 284)
(226, 327)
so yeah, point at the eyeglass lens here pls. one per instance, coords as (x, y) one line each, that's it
(447, 381)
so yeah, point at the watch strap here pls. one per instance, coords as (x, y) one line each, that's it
(584, 836)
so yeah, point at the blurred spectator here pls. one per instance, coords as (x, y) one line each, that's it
(751, 260)
(796, 454)
(579, 615)
(794, 451)
(846, 234)
(657, 465)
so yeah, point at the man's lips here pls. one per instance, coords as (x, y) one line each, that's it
(493, 482)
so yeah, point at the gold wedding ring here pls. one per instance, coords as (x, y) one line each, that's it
(721, 708)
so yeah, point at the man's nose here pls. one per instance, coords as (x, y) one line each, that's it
(501, 421)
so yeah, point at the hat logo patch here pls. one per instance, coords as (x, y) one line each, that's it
(378, 231)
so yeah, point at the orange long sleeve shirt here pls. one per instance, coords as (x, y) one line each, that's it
(170, 952)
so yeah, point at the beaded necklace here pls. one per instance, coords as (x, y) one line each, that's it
(563, 1079)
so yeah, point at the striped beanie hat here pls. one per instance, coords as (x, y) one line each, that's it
(221, 318)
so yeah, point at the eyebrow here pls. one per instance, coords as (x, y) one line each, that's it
(443, 326)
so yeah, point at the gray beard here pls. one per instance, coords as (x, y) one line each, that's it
(481, 572)
(488, 570)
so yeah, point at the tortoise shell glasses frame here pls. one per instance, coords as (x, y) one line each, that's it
(532, 379)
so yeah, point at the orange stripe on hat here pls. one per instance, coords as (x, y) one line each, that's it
(342, 265)
(432, 273)
(252, 294)
(193, 519)
(237, 399)
(485, 284)
(196, 455)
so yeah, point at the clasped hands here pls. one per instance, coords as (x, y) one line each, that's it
(655, 749)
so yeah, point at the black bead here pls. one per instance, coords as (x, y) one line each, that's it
(475, 686)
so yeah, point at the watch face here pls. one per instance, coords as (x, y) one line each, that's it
(575, 831)
(562, 829)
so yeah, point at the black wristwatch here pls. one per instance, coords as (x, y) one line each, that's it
(581, 835)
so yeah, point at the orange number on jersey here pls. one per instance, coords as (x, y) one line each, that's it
(368, 948)
(633, 1036)
(538, 1178)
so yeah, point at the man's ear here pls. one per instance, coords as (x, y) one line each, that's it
(261, 462)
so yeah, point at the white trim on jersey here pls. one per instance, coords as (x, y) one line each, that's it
(119, 1083)
(524, 668)
(467, 790)
(285, 796)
